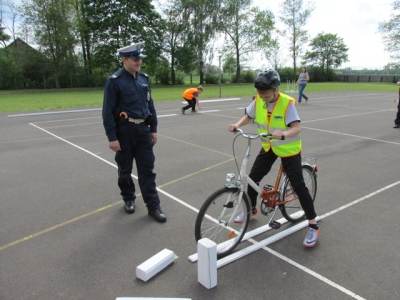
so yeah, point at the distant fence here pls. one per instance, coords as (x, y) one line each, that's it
(367, 78)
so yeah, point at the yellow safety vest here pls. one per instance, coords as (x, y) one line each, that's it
(282, 148)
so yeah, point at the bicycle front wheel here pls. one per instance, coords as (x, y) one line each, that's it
(223, 218)
(292, 210)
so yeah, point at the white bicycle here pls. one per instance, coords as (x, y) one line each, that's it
(217, 216)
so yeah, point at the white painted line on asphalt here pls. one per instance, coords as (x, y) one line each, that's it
(194, 145)
(208, 111)
(314, 274)
(282, 234)
(112, 165)
(351, 135)
(103, 208)
(98, 109)
(339, 97)
(53, 112)
(160, 190)
(216, 100)
(347, 115)
(94, 123)
(166, 116)
(65, 120)
(149, 298)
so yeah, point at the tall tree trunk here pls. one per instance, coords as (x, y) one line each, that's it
(173, 77)
(237, 64)
(201, 64)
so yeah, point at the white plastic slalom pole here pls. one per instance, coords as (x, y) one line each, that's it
(207, 264)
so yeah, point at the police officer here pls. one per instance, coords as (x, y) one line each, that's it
(130, 122)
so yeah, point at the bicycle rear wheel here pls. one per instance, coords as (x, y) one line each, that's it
(288, 209)
(219, 219)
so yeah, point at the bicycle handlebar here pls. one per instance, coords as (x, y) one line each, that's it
(253, 136)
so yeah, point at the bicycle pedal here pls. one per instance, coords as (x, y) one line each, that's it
(274, 224)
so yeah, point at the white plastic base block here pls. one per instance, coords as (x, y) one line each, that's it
(150, 298)
(155, 264)
(207, 263)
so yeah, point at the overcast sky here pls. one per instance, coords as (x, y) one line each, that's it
(356, 21)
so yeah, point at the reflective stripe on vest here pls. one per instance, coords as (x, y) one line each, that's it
(282, 148)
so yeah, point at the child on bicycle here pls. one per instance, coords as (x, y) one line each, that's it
(275, 113)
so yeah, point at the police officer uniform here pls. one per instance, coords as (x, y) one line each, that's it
(129, 116)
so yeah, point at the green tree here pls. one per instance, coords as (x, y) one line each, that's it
(248, 29)
(203, 26)
(391, 30)
(3, 36)
(84, 31)
(229, 65)
(327, 51)
(294, 15)
(52, 23)
(176, 16)
(119, 23)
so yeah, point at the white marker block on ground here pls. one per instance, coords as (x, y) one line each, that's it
(150, 298)
(207, 263)
(155, 264)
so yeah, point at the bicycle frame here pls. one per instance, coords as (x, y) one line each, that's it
(245, 180)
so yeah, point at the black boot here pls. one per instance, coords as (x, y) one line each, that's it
(158, 215)
(129, 207)
(396, 126)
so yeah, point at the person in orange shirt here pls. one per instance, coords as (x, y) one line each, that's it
(191, 97)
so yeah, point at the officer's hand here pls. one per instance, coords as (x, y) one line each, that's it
(154, 137)
(232, 127)
(115, 146)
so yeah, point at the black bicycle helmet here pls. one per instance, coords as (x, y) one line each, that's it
(267, 80)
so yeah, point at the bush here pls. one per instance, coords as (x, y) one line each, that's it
(247, 76)
(211, 78)
(317, 74)
(287, 74)
(179, 78)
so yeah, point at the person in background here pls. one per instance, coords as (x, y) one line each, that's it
(304, 78)
(191, 96)
(397, 120)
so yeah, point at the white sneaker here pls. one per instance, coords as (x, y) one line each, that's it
(239, 218)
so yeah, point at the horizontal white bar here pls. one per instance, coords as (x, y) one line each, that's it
(250, 234)
(257, 246)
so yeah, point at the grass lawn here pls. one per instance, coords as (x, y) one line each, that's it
(36, 100)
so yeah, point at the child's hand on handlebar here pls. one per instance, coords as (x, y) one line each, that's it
(233, 128)
(279, 134)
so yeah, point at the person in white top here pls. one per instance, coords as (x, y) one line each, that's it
(304, 78)
(397, 120)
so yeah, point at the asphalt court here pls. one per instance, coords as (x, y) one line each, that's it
(63, 234)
